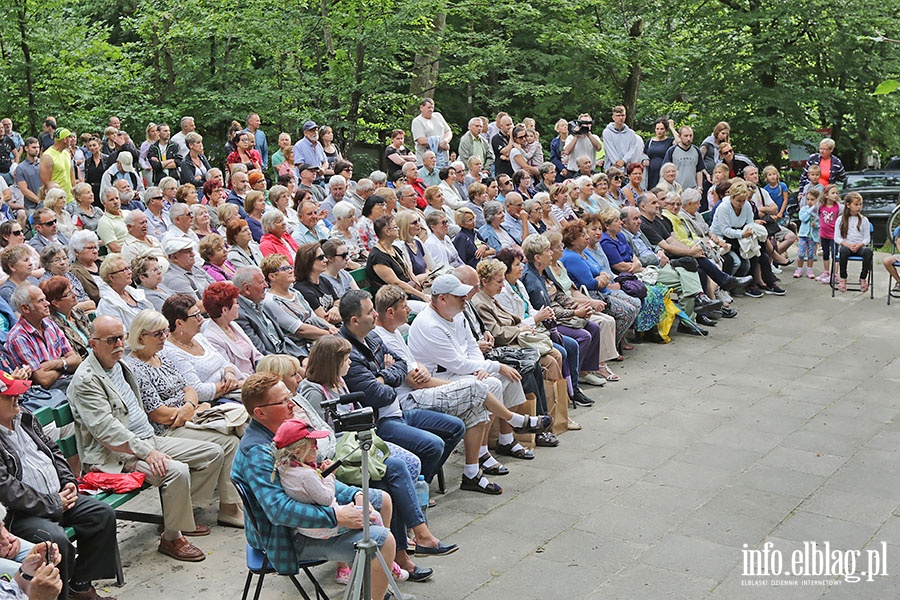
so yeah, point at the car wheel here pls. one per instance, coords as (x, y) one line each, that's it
(893, 223)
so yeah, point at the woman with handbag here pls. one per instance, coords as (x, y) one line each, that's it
(509, 329)
(171, 403)
(596, 341)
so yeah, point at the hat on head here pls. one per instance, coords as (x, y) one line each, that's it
(307, 166)
(177, 244)
(255, 177)
(62, 133)
(126, 161)
(12, 387)
(294, 430)
(310, 125)
(449, 284)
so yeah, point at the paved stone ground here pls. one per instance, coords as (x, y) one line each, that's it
(781, 426)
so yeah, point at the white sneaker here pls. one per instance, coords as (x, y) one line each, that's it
(776, 269)
(724, 296)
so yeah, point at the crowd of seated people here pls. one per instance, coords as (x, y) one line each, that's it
(495, 290)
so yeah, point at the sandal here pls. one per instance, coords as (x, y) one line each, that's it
(842, 285)
(520, 452)
(546, 440)
(619, 358)
(496, 470)
(607, 374)
(626, 347)
(573, 426)
(473, 484)
(863, 285)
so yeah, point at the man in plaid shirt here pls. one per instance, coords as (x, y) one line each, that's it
(269, 403)
(37, 342)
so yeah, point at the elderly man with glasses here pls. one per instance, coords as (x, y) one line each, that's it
(114, 436)
(184, 276)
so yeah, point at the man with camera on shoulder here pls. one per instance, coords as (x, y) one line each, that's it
(582, 142)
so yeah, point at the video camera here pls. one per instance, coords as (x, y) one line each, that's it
(360, 419)
(580, 127)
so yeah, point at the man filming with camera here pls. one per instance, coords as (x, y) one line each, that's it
(582, 142)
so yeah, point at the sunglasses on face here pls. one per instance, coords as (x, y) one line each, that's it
(48, 223)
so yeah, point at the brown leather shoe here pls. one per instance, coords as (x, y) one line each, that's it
(88, 594)
(199, 531)
(181, 549)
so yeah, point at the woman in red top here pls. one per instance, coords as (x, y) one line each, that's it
(275, 239)
(244, 152)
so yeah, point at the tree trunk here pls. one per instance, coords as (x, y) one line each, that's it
(22, 18)
(633, 83)
(359, 63)
(426, 66)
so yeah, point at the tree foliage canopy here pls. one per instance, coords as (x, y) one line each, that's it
(777, 71)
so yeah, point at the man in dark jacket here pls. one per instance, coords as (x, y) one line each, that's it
(163, 156)
(428, 434)
(39, 490)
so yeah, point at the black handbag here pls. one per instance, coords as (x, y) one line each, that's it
(523, 360)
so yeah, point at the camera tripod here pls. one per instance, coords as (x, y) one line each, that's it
(360, 585)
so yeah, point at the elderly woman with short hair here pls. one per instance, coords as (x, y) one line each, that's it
(469, 248)
(16, 263)
(171, 402)
(214, 255)
(55, 200)
(492, 232)
(254, 205)
(84, 212)
(345, 230)
(201, 221)
(84, 250)
(120, 299)
(242, 250)
(220, 300)
(280, 198)
(55, 260)
(276, 239)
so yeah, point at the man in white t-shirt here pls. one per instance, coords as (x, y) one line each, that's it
(431, 124)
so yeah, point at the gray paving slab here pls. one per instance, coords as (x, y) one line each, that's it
(782, 426)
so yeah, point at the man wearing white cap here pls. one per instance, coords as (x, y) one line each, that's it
(443, 345)
(56, 163)
(184, 276)
(123, 168)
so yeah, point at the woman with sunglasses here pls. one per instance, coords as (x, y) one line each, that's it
(171, 401)
(65, 313)
(120, 299)
(309, 265)
(337, 257)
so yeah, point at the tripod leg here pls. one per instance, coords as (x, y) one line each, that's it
(354, 586)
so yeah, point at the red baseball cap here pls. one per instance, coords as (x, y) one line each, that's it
(12, 387)
(293, 430)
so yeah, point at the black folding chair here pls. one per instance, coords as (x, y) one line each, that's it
(870, 278)
(258, 563)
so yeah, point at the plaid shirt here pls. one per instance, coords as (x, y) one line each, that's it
(25, 346)
(277, 514)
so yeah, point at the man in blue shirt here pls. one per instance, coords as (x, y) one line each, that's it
(262, 144)
(309, 150)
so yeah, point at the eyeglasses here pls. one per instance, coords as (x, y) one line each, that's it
(158, 334)
(48, 223)
(127, 268)
(156, 198)
(112, 340)
(287, 401)
(445, 222)
(60, 260)
(342, 255)
(197, 315)
(284, 269)
(321, 257)
(17, 232)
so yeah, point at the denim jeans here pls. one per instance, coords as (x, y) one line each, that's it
(400, 486)
(430, 435)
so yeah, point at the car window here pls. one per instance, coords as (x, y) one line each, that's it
(867, 180)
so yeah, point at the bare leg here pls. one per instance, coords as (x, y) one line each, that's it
(379, 577)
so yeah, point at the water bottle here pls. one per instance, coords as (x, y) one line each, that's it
(422, 495)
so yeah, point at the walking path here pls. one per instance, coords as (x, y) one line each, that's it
(782, 426)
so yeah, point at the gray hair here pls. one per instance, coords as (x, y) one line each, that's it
(49, 253)
(582, 181)
(168, 180)
(196, 209)
(153, 191)
(491, 209)
(627, 211)
(178, 209)
(336, 180)
(533, 245)
(342, 209)
(749, 169)
(79, 240)
(458, 165)
(642, 199)
(377, 177)
(828, 142)
(668, 165)
(22, 296)
(185, 120)
(107, 192)
(244, 275)
(429, 154)
(53, 196)
(474, 120)
(192, 138)
(365, 185)
(690, 195)
(270, 218)
(130, 216)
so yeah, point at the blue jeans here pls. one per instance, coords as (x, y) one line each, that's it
(430, 435)
(400, 486)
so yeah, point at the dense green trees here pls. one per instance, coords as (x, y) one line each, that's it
(777, 71)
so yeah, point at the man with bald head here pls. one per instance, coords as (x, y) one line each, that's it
(114, 436)
(515, 223)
